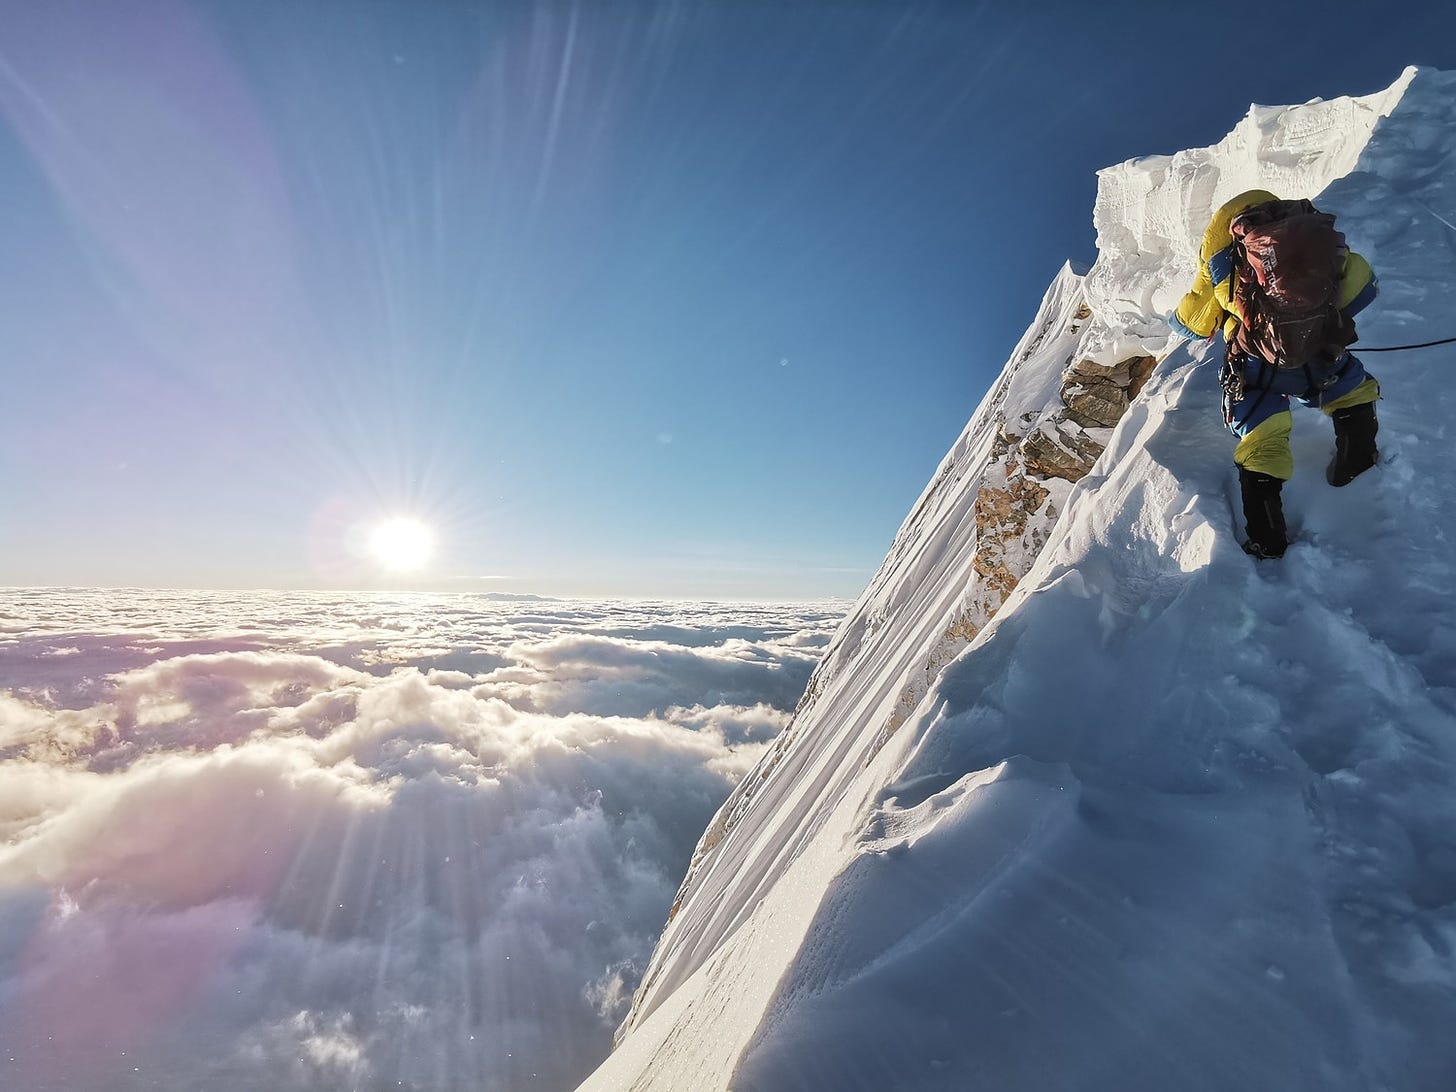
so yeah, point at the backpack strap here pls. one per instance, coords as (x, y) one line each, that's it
(1239, 274)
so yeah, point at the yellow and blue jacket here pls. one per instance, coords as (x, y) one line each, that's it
(1209, 306)
(1262, 420)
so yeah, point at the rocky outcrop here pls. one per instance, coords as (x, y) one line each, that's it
(1016, 507)
(1023, 490)
(1096, 396)
(1061, 448)
(1003, 516)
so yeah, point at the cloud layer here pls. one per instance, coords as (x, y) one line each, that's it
(333, 841)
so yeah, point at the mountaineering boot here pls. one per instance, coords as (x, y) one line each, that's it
(1355, 450)
(1263, 513)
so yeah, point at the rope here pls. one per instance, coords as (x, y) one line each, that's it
(1402, 348)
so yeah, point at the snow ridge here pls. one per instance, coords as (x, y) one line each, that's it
(916, 613)
(1171, 819)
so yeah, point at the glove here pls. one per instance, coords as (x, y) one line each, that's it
(1182, 331)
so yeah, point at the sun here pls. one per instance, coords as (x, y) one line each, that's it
(402, 544)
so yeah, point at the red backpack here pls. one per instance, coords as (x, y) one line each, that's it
(1288, 263)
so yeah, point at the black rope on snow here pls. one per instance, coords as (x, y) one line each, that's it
(1401, 348)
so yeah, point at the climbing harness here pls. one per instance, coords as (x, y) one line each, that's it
(1232, 378)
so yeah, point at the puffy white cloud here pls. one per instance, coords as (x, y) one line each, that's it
(634, 678)
(317, 842)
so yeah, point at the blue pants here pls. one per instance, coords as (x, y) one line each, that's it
(1260, 418)
(1267, 389)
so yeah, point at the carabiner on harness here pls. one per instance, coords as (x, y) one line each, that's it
(1231, 380)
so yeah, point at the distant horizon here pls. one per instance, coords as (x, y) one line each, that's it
(523, 596)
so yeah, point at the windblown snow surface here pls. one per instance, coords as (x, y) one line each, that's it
(1175, 819)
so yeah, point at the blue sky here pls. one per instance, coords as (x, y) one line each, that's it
(620, 298)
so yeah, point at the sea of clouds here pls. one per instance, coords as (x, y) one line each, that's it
(356, 841)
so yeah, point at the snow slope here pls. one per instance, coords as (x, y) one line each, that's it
(1173, 819)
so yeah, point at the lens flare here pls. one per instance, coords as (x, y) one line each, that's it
(402, 544)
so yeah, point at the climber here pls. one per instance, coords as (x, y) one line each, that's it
(1273, 355)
